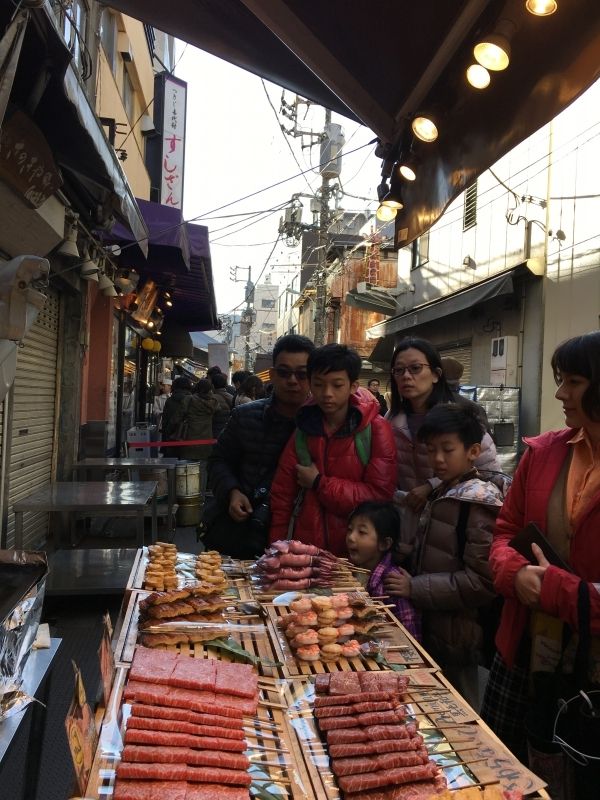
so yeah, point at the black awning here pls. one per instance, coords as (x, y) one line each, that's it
(383, 63)
(452, 304)
(372, 300)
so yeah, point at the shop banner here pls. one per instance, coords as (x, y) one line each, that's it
(81, 733)
(107, 659)
(173, 141)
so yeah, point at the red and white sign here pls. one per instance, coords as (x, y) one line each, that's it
(173, 150)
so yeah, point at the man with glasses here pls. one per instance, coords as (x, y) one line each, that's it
(244, 460)
(373, 386)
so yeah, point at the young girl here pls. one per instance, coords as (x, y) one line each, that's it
(372, 541)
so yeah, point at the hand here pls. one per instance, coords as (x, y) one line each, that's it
(306, 475)
(528, 580)
(417, 497)
(240, 507)
(397, 583)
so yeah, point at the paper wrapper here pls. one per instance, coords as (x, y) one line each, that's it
(22, 586)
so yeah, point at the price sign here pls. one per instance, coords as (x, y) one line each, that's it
(81, 733)
(107, 659)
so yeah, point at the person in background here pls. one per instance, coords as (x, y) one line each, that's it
(244, 460)
(251, 389)
(196, 421)
(557, 486)
(237, 379)
(268, 389)
(342, 454)
(451, 576)
(373, 387)
(373, 542)
(158, 404)
(224, 399)
(212, 371)
(453, 371)
(173, 413)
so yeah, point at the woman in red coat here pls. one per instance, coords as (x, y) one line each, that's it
(346, 467)
(557, 486)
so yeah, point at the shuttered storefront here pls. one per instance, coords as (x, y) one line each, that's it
(33, 420)
(462, 354)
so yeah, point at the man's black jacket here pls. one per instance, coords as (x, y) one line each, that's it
(247, 452)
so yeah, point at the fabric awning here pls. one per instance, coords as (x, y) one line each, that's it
(384, 63)
(451, 304)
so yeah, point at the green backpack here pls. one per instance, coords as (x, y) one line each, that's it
(362, 442)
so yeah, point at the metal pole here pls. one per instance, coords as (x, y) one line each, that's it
(248, 319)
(321, 281)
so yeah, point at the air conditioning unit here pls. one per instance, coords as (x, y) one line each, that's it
(503, 361)
(124, 47)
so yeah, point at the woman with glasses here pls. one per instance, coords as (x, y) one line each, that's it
(418, 384)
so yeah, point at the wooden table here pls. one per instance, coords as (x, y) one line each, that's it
(134, 465)
(91, 498)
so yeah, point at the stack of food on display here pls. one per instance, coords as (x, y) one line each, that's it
(294, 565)
(168, 569)
(185, 738)
(325, 628)
(160, 572)
(374, 749)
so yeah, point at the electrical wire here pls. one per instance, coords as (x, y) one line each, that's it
(246, 244)
(235, 308)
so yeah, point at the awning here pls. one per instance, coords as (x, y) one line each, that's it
(167, 242)
(194, 301)
(384, 63)
(451, 304)
(372, 299)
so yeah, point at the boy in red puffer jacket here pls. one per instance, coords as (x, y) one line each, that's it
(342, 454)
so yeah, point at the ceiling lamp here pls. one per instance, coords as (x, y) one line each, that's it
(478, 76)
(89, 269)
(407, 168)
(541, 8)
(106, 286)
(126, 280)
(385, 213)
(168, 301)
(69, 246)
(424, 128)
(493, 52)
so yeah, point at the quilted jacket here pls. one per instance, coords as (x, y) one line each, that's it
(344, 482)
(528, 502)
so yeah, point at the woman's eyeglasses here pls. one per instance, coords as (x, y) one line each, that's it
(286, 374)
(412, 369)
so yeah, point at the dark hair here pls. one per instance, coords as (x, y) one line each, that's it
(212, 371)
(253, 387)
(441, 392)
(581, 356)
(374, 380)
(334, 358)
(203, 387)
(386, 520)
(240, 376)
(292, 343)
(182, 385)
(219, 381)
(451, 418)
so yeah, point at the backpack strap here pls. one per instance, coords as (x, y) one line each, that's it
(461, 528)
(362, 442)
(302, 451)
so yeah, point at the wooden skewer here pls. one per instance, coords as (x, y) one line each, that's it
(463, 761)
(271, 704)
(451, 752)
(268, 749)
(261, 735)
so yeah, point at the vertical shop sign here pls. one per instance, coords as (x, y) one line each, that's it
(173, 142)
(106, 658)
(81, 733)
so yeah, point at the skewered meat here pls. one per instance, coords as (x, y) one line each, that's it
(181, 772)
(364, 748)
(218, 737)
(387, 761)
(175, 754)
(227, 726)
(373, 780)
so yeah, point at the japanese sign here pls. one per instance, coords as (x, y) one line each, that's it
(81, 733)
(173, 143)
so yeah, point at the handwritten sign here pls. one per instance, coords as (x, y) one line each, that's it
(26, 161)
(81, 733)
(107, 659)
(173, 149)
(447, 710)
(490, 761)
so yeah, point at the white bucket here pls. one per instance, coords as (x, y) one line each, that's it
(187, 480)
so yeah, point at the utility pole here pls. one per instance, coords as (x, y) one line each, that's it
(321, 282)
(248, 314)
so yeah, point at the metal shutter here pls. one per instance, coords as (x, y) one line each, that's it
(33, 420)
(462, 354)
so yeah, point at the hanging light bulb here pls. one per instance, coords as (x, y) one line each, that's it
(478, 76)
(541, 8)
(89, 269)
(69, 246)
(385, 213)
(493, 51)
(424, 128)
(407, 168)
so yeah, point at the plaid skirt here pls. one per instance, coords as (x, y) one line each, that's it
(505, 705)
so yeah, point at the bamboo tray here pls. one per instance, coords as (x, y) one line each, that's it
(403, 649)
(236, 571)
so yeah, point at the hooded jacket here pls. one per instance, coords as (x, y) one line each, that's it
(344, 482)
(528, 502)
(223, 412)
(198, 414)
(449, 586)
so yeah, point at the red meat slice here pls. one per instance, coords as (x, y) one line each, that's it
(356, 708)
(388, 761)
(223, 736)
(425, 790)
(179, 772)
(205, 702)
(322, 683)
(184, 755)
(366, 748)
(373, 780)
(378, 681)
(326, 700)
(400, 731)
(152, 666)
(209, 791)
(230, 727)
(162, 738)
(351, 736)
(150, 790)
(382, 717)
(338, 723)
(237, 679)
(347, 683)
(194, 673)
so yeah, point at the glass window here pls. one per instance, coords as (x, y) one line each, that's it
(420, 251)
(470, 207)
(108, 37)
(73, 21)
(128, 95)
(267, 302)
